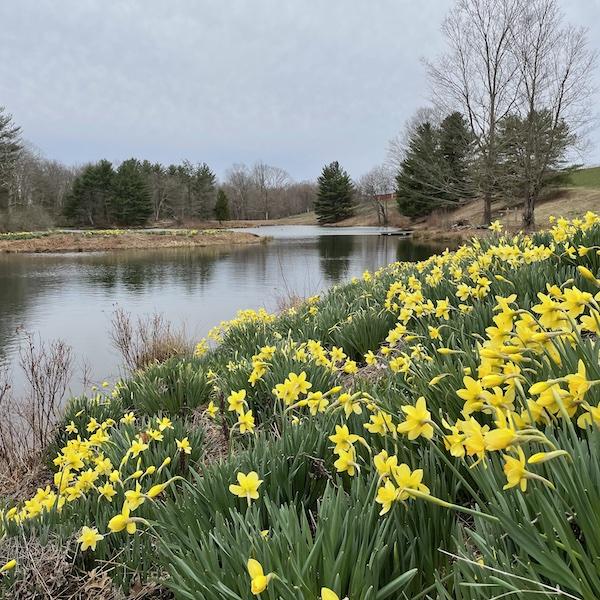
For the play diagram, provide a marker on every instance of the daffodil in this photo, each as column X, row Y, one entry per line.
column 327, row 594
column 89, row 538
column 128, row 418
column 258, row 580
column 107, row 491
column 246, row 422
column 236, row 401
column 247, row 486
column 184, row 445
column 9, row 566
column 164, row 423
column 123, row 521
column 212, row 410
column 418, row 421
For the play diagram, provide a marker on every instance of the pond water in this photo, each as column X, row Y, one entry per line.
column 72, row 296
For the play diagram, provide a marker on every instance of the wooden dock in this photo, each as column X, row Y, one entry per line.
column 398, row 232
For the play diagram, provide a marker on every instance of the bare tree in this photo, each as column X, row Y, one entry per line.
column 479, row 76
column 10, row 150
column 396, row 150
column 267, row 180
column 555, row 68
column 238, row 183
column 377, row 187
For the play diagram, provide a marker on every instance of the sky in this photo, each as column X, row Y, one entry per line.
column 294, row 83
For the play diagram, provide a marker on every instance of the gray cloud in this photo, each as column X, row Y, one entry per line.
column 294, row 83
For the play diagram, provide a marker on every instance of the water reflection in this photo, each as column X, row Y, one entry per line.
column 335, row 254
column 72, row 296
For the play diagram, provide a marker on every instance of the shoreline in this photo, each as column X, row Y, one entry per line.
column 101, row 241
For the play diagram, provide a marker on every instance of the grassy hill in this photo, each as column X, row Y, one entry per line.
column 582, row 194
column 589, row 178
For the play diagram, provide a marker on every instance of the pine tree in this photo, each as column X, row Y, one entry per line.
column 130, row 203
column 221, row 209
column 455, row 149
column 89, row 202
column 203, row 192
column 419, row 184
column 335, row 193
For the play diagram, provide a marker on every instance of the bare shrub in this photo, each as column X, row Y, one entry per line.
column 147, row 340
column 288, row 300
column 29, row 422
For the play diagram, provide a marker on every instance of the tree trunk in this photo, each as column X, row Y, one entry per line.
column 528, row 212
column 487, row 207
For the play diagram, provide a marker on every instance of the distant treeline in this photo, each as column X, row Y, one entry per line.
column 38, row 193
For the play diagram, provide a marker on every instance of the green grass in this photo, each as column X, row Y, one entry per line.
column 589, row 178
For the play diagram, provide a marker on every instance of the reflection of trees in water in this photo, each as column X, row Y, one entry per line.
column 17, row 293
column 138, row 271
column 335, row 252
column 407, row 250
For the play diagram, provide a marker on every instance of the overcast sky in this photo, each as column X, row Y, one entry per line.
column 295, row 83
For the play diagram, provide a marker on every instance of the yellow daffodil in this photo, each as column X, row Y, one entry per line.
column 184, row 445
column 247, row 486
column 258, row 580
column 89, row 538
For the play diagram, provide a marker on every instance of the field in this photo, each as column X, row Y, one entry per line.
column 428, row 431
column 589, row 177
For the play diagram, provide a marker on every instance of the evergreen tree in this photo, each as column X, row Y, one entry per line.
column 455, row 143
column 203, row 189
column 419, row 184
column 90, row 201
column 222, row 207
column 130, row 203
column 335, row 193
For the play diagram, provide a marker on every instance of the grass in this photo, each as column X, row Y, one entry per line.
column 118, row 239
column 468, row 468
column 588, row 178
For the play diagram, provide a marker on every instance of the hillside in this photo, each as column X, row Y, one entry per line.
column 581, row 195
column 589, row 177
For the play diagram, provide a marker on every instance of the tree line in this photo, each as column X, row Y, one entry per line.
column 39, row 193
column 513, row 88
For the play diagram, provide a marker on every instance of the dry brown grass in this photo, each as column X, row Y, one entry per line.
column 73, row 242
column 48, row 571
column 568, row 203
column 147, row 340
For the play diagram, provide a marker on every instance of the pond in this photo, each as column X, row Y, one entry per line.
column 72, row 296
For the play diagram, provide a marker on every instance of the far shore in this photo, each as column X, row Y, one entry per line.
column 100, row 241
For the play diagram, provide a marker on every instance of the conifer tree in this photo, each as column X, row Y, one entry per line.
column 455, row 149
column 419, row 184
column 222, row 207
column 90, row 201
column 203, row 191
column 10, row 149
column 335, row 195
column 130, row 203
